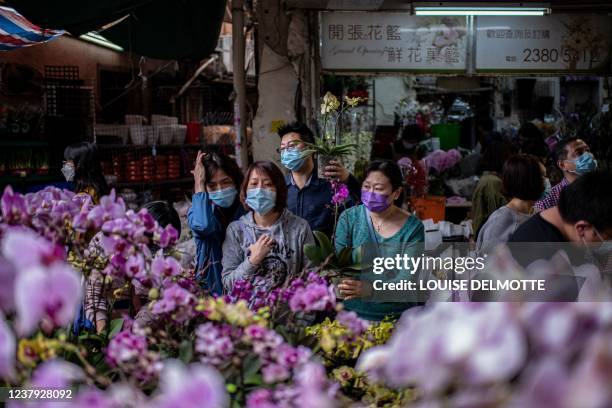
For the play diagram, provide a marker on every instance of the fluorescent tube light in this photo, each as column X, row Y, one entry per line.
column 480, row 11
column 99, row 40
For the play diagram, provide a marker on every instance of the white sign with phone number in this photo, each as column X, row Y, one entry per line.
column 549, row 43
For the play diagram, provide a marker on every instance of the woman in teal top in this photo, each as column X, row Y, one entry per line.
column 379, row 228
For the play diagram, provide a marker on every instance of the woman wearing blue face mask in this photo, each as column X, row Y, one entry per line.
column 265, row 246
column 214, row 205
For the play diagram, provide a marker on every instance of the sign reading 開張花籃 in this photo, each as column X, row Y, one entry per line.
column 358, row 41
column 562, row 43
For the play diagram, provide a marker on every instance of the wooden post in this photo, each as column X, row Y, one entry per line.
column 240, row 111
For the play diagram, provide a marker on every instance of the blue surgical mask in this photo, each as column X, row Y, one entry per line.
column 547, row 188
column 261, row 200
column 224, row 197
column 292, row 159
column 586, row 163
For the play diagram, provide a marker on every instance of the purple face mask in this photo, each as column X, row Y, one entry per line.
column 374, row 202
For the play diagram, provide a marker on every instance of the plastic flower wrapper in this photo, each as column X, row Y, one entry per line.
column 440, row 161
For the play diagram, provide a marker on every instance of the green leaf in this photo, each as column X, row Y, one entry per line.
column 324, row 242
column 186, row 351
column 91, row 337
column 252, row 368
column 345, row 258
column 115, row 327
column 253, row 379
column 314, row 254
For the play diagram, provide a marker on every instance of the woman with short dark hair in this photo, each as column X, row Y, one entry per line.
column 82, row 167
column 214, row 205
column 379, row 228
column 265, row 246
column 523, row 183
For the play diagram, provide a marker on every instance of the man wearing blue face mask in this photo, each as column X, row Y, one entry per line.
column 215, row 204
column 575, row 159
column 309, row 197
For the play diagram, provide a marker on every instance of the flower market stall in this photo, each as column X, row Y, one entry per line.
column 294, row 346
column 450, row 85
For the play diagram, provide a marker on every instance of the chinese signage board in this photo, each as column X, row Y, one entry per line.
column 357, row 41
column 570, row 43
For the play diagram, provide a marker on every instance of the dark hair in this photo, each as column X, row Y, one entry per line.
column 297, row 127
column 522, row 177
column 495, row 155
column 219, row 161
column 87, row 167
column 277, row 177
column 589, row 198
column 164, row 214
column 392, row 172
column 561, row 148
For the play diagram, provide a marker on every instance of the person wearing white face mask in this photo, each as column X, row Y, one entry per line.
column 575, row 159
column 266, row 245
column 82, row 168
column 215, row 203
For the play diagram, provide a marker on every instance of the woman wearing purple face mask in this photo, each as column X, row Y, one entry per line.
column 379, row 228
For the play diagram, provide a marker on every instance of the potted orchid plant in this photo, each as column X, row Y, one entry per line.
column 327, row 147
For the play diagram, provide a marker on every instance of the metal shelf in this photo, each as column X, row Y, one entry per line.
column 150, row 184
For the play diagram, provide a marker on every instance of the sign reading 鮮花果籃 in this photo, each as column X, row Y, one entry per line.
column 571, row 43
column 357, row 41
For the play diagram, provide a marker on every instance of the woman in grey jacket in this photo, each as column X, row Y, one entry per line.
column 523, row 178
column 265, row 246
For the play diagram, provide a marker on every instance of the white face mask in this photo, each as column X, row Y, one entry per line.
column 68, row 172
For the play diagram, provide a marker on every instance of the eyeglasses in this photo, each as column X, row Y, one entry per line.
column 289, row 145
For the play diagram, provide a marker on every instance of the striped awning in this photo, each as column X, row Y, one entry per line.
column 17, row 32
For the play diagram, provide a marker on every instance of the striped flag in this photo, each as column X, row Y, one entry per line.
column 17, row 32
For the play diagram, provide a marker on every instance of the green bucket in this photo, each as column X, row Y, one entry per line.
column 448, row 133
